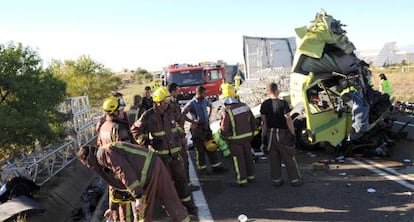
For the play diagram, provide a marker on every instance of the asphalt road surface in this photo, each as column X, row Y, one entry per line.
column 359, row 189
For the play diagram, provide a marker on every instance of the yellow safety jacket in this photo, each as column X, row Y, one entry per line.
column 386, row 87
column 237, row 80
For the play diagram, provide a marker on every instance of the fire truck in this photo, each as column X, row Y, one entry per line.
column 209, row 75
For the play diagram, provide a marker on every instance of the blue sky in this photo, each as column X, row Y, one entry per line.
column 152, row 34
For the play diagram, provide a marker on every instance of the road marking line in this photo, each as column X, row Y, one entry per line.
column 204, row 214
column 381, row 166
column 401, row 123
column 384, row 174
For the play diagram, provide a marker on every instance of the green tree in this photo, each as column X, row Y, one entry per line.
column 148, row 77
column 85, row 77
column 29, row 99
column 139, row 75
column 140, row 71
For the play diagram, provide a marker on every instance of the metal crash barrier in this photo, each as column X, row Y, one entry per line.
column 42, row 164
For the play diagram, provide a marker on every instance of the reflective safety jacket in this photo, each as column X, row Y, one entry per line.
column 163, row 128
column 237, row 122
column 237, row 81
column 114, row 130
column 386, row 87
column 117, row 197
column 123, row 166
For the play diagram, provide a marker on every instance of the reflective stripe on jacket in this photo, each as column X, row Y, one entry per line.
column 130, row 163
column 237, row 122
column 164, row 129
column 114, row 130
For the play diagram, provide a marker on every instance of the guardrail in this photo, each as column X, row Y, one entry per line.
column 44, row 163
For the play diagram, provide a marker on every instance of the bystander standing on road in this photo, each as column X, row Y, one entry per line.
column 200, row 109
column 174, row 91
column 279, row 135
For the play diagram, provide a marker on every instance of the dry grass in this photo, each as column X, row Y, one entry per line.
column 402, row 83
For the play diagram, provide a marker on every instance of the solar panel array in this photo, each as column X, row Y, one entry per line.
column 388, row 55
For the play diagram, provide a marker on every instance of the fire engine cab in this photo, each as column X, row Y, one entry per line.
column 188, row 77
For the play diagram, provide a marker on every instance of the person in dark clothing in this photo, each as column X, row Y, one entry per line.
column 147, row 102
column 174, row 90
column 279, row 135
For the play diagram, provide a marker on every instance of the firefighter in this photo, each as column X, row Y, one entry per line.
column 135, row 110
column 278, row 134
column 121, row 108
column 174, row 90
column 163, row 126
column 237, row 127
column 200, row 109
column 138, row 171
column 237, row 80
column 115, row 128
column 385, row 85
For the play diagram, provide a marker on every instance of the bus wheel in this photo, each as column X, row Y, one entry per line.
column 302, row 142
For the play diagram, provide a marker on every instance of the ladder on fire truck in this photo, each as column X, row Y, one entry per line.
column 42, row 164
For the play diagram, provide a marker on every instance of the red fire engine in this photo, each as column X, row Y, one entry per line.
column 188, row 77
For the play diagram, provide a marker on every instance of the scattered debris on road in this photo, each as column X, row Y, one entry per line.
column 371, row 190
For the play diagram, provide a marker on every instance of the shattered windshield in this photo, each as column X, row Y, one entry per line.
column 187, row 78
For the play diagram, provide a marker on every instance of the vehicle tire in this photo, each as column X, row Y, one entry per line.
column 302, row 142
column 329, row 148
column 18, row 186
column 21, row 189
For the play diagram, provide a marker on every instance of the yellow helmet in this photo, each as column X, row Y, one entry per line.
column 228, row 91
column 110, row 105
column 160, row 95
column 211, row 145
